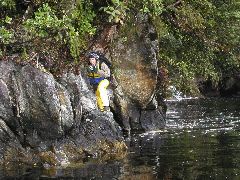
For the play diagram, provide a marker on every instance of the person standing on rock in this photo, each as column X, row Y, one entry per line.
column 98, row 74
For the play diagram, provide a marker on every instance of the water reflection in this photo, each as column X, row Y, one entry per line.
column 201, row 141
column 194, row 155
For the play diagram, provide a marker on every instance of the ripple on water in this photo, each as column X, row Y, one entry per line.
column 203, row 114
column 200, row 141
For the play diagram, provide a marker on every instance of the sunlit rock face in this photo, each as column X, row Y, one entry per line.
column 134, row 55
column 137, row 80
column 51, row 121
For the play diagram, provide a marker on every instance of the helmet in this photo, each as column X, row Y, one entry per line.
column 93, row 55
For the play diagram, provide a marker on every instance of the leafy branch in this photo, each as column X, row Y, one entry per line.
column 116, row 12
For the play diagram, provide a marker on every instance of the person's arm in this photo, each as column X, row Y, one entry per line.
column 104, row 70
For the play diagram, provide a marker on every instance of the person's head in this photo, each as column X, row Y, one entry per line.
column 93, row 59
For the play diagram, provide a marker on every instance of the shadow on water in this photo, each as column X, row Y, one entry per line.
column 201, row 141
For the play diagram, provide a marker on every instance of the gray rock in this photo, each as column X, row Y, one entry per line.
column 6, row 111
column 152, row 120
column 8, row 141
column 55, row 118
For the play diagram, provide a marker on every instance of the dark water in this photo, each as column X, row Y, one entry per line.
column 201, row 141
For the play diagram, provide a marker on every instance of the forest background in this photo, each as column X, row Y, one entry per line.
column 198, row 40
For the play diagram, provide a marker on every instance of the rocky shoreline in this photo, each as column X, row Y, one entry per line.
column 50, row 122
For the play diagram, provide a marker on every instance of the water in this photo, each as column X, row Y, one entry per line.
column 201, row 141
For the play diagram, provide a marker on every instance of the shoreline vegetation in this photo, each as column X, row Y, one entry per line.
column 198, row 41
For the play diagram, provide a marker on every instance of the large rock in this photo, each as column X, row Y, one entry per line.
column 134, row 55
column 39, row 104
column 51, row 122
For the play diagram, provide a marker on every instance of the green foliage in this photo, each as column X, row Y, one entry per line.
column 190, row 18
column 80, row 26
column 152, row 7
column 24, row 54
column 71, row 29
column 199, row 40
column 116, row 11
column 5, row 35
column 8, row 4
column 45, row 22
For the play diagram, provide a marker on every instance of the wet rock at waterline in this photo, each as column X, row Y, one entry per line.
column 51, row 122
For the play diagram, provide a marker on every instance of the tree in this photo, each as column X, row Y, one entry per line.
column 200, row 40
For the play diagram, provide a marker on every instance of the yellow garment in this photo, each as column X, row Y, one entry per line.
column 94, row 75
column 102, row 95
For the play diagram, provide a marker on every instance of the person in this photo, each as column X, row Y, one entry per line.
column 98, row 74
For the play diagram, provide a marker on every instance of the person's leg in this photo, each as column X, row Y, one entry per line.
column 102, row 95
column 99, row 100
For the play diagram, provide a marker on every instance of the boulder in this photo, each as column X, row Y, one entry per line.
column 51, row 121
column 134, row 56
